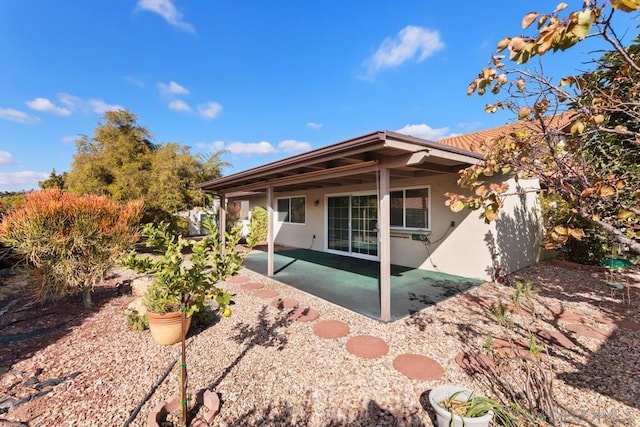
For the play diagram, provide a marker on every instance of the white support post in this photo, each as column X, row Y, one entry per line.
column 222, row 220
column 270, row 232
column 384, row 230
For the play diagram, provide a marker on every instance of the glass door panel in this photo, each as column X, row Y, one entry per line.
column 364, row 225
column 338, row 223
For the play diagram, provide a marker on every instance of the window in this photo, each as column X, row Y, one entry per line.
column 410, row 208
column 291, row 209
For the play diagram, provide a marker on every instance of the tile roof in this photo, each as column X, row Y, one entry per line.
column 473, row 141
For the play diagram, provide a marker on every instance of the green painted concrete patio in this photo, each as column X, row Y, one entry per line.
column 355, row 283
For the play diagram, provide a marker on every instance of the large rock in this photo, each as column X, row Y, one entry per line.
column 137, row 306
column 140, row 284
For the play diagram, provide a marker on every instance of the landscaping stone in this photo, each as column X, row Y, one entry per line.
column 304, row 314
column 238, row 279
column 367, row 346
column 331, row 329
column 588, row 331
column 251, row 286
column 140, row 284
column 418, row 367
column 554, row 338
column 137, row 307
column 284, row 303
column 475, row 363
column 265, row 293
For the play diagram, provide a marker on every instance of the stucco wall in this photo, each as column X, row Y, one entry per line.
column 467, row 249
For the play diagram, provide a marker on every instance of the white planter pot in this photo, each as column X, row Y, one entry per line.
column 443, row 392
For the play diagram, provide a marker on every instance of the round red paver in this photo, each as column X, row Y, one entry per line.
column 475, row 301
column 367, row 346
column 515, row 349
column 552, row 337
column 265, row 293
column 567, row 316
column 475, row 363
column 331, row 329
column 418, row 367
column 588, row 331
column 282, row 303
column 251, row 286
column 238, row 279
column 304, row 314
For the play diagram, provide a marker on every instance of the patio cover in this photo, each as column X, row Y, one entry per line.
column 379, row 156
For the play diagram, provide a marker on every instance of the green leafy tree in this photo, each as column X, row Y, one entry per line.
column 120, row 161
column 579, row 135
column 70, row 242
column 54, row 180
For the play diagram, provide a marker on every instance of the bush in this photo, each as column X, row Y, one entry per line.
column 258, row 231
column 70, row 242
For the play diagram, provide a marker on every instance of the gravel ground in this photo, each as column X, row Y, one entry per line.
column 269, row 370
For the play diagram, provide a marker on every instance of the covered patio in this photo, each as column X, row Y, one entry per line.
column 355, row 283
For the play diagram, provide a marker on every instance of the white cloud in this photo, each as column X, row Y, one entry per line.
column 43, row 104
column 426, row 132
column 411, row 42
column 314, row 125
column 168, row 11
column 262, row 147
column 173, row 88
column 22, row 180
column 5, row 158
column 17, row 116
column 100, row 107
column 71, row 102
column 291, row 146
column 135, row 81
column 209, row 110
column 179, row 105
column 70, row 139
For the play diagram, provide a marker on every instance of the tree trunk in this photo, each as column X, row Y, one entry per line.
column 618, row 236
column 86, row 298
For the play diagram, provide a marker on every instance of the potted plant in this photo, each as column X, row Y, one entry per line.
column 458, row 406
column 181, row 286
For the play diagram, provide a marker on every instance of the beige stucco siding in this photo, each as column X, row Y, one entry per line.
column 468, row 249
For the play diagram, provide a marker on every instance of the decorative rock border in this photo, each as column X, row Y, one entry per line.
column 552, row 337
column 265, row 293
column 588, row 331
column 331, row 329
column 251, row 286
column 418, row 367
column 475, row 363
column 367, row 346
column 204, row 397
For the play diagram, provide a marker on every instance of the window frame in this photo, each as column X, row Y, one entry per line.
column 404, row 208
column 288, row 220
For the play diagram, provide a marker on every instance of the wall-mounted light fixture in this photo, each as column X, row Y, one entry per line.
column 316, row 202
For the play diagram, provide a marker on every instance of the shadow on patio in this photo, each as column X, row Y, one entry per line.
column 354, row 283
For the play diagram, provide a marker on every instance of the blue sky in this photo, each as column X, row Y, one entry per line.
column 261, row 79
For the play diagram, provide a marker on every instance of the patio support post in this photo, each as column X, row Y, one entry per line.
column 270, row 223
column 222, row 220
column 384, row 234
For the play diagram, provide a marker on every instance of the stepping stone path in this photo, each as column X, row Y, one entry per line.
column 282, row 303
column 475, row 363
column 367, row 346
column 238, row 279
column 588, row 331
column 251, row 286
column 418, row 367
column 265, row 293
column 304, row 314
column 627, row 324
column 552, row 337
column 515, row 349
column 331, row 329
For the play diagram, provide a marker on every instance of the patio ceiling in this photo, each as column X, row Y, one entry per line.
column 354, row 161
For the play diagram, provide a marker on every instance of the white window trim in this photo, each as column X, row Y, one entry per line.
column 275, row 212
column 404, row 208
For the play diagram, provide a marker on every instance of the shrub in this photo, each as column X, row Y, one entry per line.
column 258, row 231
column 70, row 242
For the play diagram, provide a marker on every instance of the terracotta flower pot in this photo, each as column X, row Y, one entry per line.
column 166, row 328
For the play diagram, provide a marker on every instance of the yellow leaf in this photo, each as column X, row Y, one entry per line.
column 457, row 206
column 596, row 218
column 598, row 119
column 577, row 128
column 490, row 215
column 528, row 19
column 620, row 184
column 625, row 214
column 626, row 5
column 561, row 6
column 502, row 44
column 577, row 233
column 607, row 190
column 523, row 113
column 560, row 230
column 481, row 190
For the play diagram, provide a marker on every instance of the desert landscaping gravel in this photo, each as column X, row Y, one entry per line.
column 271, row 371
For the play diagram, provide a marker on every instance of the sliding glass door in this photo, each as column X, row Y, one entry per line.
column 352, row 225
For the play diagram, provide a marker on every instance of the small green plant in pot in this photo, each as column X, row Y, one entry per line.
column 181, row 285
